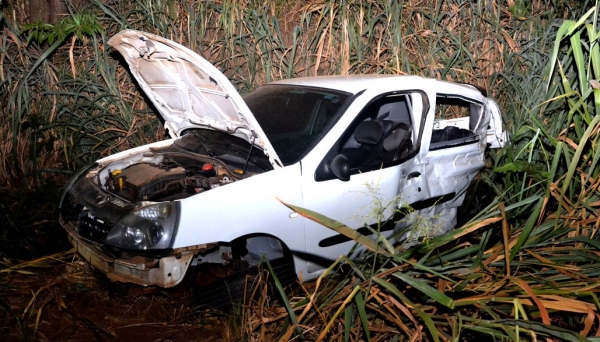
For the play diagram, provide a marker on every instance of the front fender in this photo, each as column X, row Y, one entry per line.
column 245, row 207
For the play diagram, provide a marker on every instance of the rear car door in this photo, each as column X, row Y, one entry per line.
column 454, row 155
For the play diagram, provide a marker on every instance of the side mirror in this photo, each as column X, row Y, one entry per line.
column 340, row 167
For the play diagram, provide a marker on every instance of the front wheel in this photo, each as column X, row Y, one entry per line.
column 242, row 279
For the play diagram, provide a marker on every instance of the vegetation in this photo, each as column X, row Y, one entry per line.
column 526, row 267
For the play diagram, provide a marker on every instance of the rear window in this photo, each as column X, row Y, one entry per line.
column 455, row 121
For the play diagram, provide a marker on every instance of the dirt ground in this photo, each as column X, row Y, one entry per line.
column 48, row 292
column 64, row 299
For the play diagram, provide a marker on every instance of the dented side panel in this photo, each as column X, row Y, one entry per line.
column 447, row 166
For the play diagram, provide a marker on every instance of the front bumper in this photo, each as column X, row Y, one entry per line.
column 165, row 272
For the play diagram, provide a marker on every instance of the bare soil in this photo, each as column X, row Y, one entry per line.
column 64, row 299
column 48, row 292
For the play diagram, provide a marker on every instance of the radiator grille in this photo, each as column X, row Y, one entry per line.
column 93, row 228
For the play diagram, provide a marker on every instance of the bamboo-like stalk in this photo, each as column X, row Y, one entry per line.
column 59, row 112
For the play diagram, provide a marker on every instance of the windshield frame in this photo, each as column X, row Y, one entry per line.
column 292, row 146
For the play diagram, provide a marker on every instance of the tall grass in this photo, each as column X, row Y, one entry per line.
column 77, row 99
column 526, row 263
column 532, row 272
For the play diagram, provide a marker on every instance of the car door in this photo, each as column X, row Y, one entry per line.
column 381, row 150
column 454, row 155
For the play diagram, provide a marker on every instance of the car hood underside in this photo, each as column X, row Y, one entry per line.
column 187, row 90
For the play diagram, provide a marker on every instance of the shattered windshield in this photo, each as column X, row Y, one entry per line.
column 294, row 118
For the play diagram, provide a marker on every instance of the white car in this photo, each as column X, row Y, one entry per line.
column 353, row 148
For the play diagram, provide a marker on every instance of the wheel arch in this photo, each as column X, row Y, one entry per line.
column 256, row 246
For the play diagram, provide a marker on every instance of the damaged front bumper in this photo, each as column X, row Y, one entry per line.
column 165, row 272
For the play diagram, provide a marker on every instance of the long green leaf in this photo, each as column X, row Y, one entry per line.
column 286, row 302
column 529, row 225
column 362, row 312
column 337, row 226
column 548, row 330
column 422, row 286
column 574, row 164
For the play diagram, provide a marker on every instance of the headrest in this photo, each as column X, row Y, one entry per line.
column 369, row 132
column 397, row 137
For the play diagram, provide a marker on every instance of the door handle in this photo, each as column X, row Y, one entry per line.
column 414, row 174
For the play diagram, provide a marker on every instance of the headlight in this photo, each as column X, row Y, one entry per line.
column 150, row 227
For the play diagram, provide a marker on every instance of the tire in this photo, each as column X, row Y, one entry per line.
column 237, row 288
column 479, row 195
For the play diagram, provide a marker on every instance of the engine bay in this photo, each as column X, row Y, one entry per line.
column 169, row 177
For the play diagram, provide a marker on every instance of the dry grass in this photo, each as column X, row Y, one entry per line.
column 550, row 289
column 25, row 170
column 535, row 269
column 253, row 44
column 59, row 297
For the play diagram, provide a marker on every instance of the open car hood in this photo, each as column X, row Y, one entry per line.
column 187, row 90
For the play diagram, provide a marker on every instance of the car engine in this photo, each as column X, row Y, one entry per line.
column 175, row 177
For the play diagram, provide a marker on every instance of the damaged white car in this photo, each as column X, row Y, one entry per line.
column 209, row 195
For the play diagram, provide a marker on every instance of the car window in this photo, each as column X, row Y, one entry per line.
column 381, row 136
column 295, row 117
column 455, row 121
